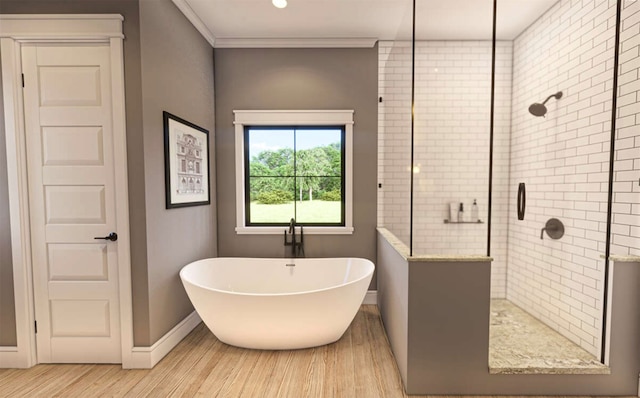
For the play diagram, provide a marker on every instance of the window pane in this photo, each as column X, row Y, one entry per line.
column 271, row 200
column 319, row 200
column 319, row 152
column 308, row 189
column 270, row 152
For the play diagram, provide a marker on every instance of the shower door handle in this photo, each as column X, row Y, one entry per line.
column 522, row 200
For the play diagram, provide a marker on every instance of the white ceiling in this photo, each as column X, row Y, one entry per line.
column 231, row 23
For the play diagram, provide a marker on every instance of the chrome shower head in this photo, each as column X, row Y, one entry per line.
column 538, row 109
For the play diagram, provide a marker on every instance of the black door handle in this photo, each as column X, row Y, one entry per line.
column 112, row 237
column 522, row 200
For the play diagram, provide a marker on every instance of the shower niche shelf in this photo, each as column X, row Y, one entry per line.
column 446, row 221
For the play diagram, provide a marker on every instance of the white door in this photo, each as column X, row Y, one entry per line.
column 69, row 137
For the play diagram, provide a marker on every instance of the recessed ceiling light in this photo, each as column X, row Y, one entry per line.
column 279, row 3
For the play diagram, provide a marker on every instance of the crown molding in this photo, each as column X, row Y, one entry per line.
column 295, row 43
column 195, row 21
column 231, row 42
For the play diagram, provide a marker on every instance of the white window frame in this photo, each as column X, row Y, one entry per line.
column 244, row 118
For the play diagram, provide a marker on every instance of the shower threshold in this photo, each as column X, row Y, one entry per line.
column 521, row 344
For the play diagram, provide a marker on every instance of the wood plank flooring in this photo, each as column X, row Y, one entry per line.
column 358, row 365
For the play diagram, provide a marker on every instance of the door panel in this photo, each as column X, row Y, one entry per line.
column 70, row 205
column 80, row 318
column 68, row 120
column 78, row 262
column 55, row 92
column 72, row 146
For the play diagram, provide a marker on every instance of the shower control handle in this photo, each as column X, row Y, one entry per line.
column 554, row 228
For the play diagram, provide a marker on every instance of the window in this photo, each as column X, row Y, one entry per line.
column 294, row 164
column 294, row 172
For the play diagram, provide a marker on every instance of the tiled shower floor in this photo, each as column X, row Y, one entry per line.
column 519, row 343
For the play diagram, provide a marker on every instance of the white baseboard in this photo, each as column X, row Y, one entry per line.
column 10, row 357
column 371, row 297
column 148, row 357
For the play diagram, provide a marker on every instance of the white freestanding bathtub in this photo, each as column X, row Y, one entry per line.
column 276, row 303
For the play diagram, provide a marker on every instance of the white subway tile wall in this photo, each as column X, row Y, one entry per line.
column 563, row 158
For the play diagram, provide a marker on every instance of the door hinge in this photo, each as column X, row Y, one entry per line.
column 23, row 80
column 35, row 326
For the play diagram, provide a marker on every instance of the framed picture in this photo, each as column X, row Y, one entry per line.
column 186, row 163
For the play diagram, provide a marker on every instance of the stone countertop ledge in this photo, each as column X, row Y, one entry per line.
column 622, row 258
column 403, row 250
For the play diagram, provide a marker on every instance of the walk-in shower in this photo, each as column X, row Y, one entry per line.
column 457, row 102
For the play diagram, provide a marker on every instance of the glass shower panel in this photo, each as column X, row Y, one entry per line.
column 501, row 159
column 394, row 130
column 452, row 116
column 560, row 129
column 625, row 232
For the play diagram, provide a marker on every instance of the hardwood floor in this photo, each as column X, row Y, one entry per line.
column 359, row 365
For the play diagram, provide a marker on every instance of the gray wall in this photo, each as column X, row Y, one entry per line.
column 180, row 88
column 393, row 301
column 177, row 77
column 299, row 79
column 7, row 304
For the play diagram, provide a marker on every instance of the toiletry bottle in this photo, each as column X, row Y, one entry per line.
column 461, row 212
column 474, row 212
column 453, row 211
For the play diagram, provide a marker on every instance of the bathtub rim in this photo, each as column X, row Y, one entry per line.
column 333, row 287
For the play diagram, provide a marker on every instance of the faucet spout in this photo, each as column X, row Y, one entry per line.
column 296, row 244
column 292, row 231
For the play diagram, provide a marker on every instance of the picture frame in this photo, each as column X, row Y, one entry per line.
column 186, row 167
